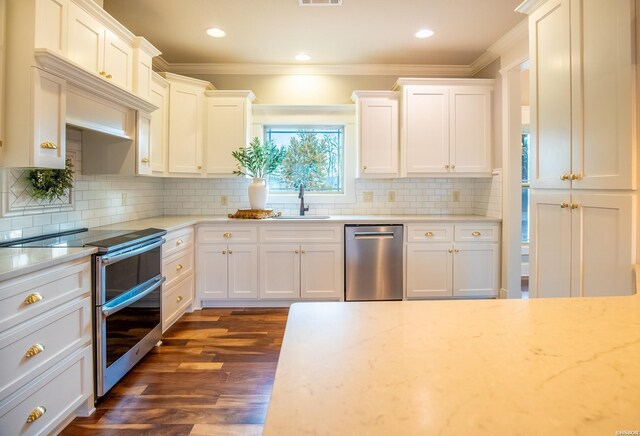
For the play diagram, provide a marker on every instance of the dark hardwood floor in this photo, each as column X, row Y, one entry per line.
column 212, row 376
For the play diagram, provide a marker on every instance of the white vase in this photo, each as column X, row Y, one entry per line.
column 258, row 194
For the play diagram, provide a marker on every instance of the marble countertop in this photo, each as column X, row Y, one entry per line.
column 15, row 262
column 489, row 367
column 170, row 222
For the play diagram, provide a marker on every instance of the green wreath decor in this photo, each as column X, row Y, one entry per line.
column 48, row 184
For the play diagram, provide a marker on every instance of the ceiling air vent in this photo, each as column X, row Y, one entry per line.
column 320, row 2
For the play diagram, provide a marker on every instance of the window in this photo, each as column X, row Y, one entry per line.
column 525, row 187
column 314, row 157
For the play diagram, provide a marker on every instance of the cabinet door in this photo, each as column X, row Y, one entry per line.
column 550, row 244
column 159, row 124
column 211, row 271
column 227, row 130
column 51, row 25
column 603, row 78
column 49, row 117
column 378, row 130
column 321, row 273
column 475, row 270
column 143, row 142
column 118, row 61
column 470, row 130
column 243, row 271
column 550, row 75
column 186, row 109
column 280, row 271
column 602, row 245
column 429, row 270
column 86, row 40
column 426, row 129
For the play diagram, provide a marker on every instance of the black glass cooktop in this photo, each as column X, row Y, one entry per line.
column 105, row 240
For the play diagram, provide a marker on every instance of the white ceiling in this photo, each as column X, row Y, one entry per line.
column 358, row 32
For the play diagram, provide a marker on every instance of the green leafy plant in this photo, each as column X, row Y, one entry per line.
column 48, row 184
column 258, row 160
column 306, row 161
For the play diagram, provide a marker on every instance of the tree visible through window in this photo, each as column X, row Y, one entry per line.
column 314, row 156
column 525, row 187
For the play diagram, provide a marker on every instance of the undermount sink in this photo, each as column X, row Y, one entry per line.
column 305, row 217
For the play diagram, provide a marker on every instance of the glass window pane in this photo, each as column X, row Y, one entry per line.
column 314, row 157
column 525, row 214
column 525, row 157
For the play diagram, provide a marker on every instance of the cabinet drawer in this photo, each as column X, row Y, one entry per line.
column 227, row 234
column 175, row 301
column 30, row 295
column 301, row 234
column 177, row 241
column 429, row 233
column 58, row 393
column 477, row 233
column 46, row 341
column 177, row 266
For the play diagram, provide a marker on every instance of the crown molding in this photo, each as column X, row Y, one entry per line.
column 518, row 34
column 160, row 65
column 348, row 70
column 528, row 6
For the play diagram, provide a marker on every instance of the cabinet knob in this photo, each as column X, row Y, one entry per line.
column 33, row 350
column 179, row 267
column 224, row 251
column 364, row 168
column 476, row 233
column 179, row 299
column 109, row 76
column 230, row 252
column 574, row 206
column 428, row 234
column 179, row 242
column 564, row 205
column 102, row 73
column 447, row 166
column 565, row 177
column 575, row 176
column 199, row 167
column 48, row 145
column 450, row 250
column 302, row 251
column 144, row 160
column 456, row 250
column 227, row 235
column 296, row 252
column 33, row 298
column 453, row 167
column 36, row 414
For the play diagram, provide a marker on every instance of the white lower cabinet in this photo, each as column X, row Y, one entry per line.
column 581, row 244
column 227, row 271
column 293, row 271
column 178, row 269
column 451, row 266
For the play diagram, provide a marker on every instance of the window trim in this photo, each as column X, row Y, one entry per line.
column 313, row 116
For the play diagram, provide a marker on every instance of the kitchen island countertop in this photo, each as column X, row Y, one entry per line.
column 490, row 367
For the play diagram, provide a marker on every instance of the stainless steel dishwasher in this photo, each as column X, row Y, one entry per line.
column 373, row 262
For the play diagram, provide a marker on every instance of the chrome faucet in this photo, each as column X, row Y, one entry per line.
column 301, row 197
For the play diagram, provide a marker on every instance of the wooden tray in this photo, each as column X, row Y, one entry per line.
column 253, row 214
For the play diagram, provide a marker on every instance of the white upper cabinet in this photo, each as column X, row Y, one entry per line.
column 51, row 28
column 143, row 56
column 446, row 126
column 98, row 49
column 228, row 129
column 159, row 138
column 378, row 123
column 582, row 94
column 186, row 123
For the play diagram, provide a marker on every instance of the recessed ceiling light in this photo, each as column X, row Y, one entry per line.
column 303, row 57
column 424, row 33
column 216, row 33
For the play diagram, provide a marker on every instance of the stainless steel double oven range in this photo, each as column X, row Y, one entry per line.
column 127, row 293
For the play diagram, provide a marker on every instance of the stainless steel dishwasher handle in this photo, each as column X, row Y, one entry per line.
column 373, row 235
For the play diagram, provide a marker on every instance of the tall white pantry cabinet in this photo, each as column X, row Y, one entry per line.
column 583, row 147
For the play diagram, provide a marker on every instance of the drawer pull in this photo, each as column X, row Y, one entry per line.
column 36, row 413
column 179, row 267
column 227, row 235
column 179, row 299
column 476, row 233
column 179, row 242
column 428, row 234
column 33, row 350
column 48, row 145
column 33, row 298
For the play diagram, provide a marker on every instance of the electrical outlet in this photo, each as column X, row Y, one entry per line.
column 391, row 196
column 123, row 201
column 456, row 196
column 367, row 197
column 224, row 200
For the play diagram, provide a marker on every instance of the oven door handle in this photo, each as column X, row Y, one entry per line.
column 110, row 309
column 116, row 257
